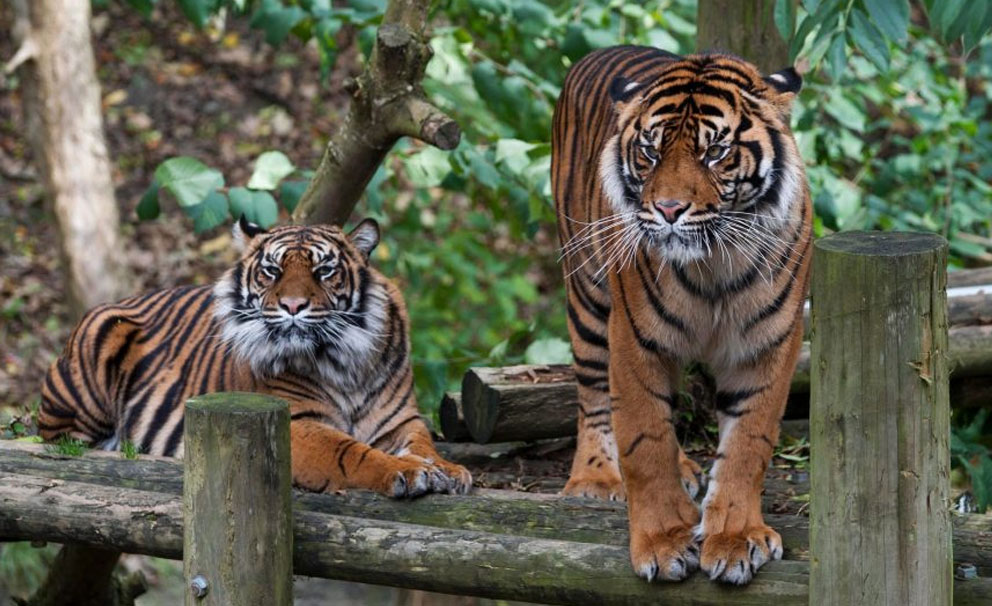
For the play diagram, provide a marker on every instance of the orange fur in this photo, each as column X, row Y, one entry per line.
column 686, row 224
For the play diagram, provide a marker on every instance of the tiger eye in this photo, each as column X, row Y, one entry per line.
column 713, row 152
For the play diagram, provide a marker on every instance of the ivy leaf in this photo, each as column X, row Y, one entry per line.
column 891, row 16
column 270, row 168
column 197, row 11
column 188, row 179
column 259, row 207
column 210, row 213
column 276, row 20
column 869, row 40
column 549, row 351
column 290, row 193
column 148, row 208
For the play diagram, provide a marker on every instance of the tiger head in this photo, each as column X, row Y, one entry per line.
column 303, row 299
column 703, row 155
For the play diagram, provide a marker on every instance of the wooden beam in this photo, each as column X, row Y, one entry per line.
column 500, row 511
column 469, row 562
column 880, row 526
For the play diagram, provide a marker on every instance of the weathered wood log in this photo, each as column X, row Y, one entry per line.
column 963, row 310
column 499, row 511
column 452, row 418
column 519, row 402
column 534, row 402
column 880, row 527
column 471, row 562
column 969, row 277
column 238, row 546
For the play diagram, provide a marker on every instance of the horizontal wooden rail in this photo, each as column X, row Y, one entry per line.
column 432, row 558
column 104, row 500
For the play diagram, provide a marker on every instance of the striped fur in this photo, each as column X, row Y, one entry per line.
column 685, row 219
column 302, row 316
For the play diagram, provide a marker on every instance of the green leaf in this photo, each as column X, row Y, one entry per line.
column 290, row 193
column 148, row 206
column 270, row 168
column 197, row 11
column 869, row 40
column 891, row 16
column 785, row 17
column 210, row 213
column 978, row 23
column 548, row 351
column 143, row 6
column 836, row 57
column 259, row 207
column 945, row 13
column 188, row 179
column 276, row 20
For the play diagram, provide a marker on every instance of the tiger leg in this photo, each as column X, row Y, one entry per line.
column 416, row 444
column 327, row 459
column 736, row 542
column 595, row 467
column 662, row 515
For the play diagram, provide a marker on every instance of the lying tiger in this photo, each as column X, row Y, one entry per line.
column 302, row 316
column 685, row 218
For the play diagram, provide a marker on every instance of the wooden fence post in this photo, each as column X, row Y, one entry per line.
column 880, row 527
column 238, row 543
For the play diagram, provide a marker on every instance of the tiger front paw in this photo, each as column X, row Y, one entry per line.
column 735, row 557
column 669, row 556
column 604, row 483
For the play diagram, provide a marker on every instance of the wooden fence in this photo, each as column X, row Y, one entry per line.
column 880, row 530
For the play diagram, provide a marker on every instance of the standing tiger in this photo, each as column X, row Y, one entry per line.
column 302, row 316
column 684, row 216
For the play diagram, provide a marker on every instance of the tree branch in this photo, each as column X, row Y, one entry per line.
column 387, row 103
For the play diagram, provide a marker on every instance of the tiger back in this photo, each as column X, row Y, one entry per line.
column 685, row 222
column 302, row 316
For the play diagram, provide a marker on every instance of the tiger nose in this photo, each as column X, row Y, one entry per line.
column 671, row 209
column 293, row 304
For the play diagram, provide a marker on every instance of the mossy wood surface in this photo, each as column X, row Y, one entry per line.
column 236, row 500
column 880, row 422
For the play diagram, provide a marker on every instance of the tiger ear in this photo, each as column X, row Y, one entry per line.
column 623, row 90
column 244, row 231
column 365, row 236
column 785, row 84
column 786, row 80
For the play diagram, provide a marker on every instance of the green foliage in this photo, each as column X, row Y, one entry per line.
column 829, row 27
column 907, row 148
column 199, row 191
column 969, row 451
column 23, row 567
column 129, row 450
column 66, row 446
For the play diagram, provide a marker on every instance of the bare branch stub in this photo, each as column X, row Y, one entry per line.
column 388, row 102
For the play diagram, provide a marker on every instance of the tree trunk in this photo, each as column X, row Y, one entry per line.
column 387, row 103
column 65, row 128
column 745, row 28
